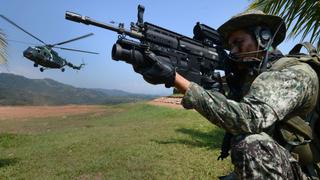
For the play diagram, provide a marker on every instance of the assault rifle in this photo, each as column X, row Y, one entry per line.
column 194, row 58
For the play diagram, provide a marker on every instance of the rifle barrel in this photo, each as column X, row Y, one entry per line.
column 88, row 21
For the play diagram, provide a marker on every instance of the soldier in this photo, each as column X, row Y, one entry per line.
column 266, row 89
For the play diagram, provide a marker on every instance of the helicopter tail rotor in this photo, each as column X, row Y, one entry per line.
column 83, row 63
column 81, row 66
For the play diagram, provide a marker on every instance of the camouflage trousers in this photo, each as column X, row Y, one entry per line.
column 258, row 156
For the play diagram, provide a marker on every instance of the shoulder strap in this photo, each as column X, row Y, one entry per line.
column 296, row 49
column 313, row 58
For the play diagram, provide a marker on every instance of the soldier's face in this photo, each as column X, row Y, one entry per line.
column 241, row 43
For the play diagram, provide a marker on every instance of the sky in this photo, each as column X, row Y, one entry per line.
column 45, row 19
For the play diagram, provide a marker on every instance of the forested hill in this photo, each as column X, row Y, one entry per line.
column 19, row 90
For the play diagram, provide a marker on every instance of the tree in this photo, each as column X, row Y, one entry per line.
column 3, row 48
column 301, row 16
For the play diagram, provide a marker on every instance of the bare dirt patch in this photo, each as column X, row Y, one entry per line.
column 39, row 119
column 170, row 101
column 22, row 112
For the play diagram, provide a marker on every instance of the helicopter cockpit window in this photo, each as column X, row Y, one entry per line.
column 37, row 49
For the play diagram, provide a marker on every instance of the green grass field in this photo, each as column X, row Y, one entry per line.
column 129, row 141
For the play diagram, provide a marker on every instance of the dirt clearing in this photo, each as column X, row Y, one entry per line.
column 170, row 101
column 17, row 112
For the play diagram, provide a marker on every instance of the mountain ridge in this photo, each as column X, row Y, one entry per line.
column 19, row 90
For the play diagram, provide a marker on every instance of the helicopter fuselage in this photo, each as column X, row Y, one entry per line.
column 44, row 56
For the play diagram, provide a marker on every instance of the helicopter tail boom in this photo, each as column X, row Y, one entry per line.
column 74, row 66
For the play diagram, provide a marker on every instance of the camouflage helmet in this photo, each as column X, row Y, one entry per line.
column 254, row 18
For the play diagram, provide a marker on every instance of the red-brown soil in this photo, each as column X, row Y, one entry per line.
column 171, row 101
column 17, row 112
column 23, row 112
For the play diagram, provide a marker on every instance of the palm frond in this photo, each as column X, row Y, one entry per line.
column 3, row 48
column 301, row 16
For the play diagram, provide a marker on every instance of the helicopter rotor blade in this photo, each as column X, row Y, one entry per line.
column 77, row 50
column 14, row 24
column 21, row 42
column 74, row 39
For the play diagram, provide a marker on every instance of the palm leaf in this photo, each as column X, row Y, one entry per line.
column 301, row 16
column 3, row 48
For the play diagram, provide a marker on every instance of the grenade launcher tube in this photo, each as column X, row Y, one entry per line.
column 131, row 56
column 130, row 52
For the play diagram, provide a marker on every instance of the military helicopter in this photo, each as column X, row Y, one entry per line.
column 45, row 56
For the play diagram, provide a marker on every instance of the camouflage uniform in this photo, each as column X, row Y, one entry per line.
column 273, row 96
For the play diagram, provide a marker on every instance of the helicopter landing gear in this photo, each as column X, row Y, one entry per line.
column 41, row 69
column 62, row 70
column 35, row 65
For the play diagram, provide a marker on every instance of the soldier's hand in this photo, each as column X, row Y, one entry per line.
column 213, row 83
column 223, row 155
column 218, row 85
column 159, row 70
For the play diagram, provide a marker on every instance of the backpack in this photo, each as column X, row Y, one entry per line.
column 301, row 137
